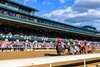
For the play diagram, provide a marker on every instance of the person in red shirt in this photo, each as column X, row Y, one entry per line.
column 57, row 44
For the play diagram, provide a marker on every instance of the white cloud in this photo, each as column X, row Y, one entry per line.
column 97, row 25
column 82, row 11
column 30, row 0
column 77, row 24
column 84, row 5
column 59, row 12
column 26, row 1
column 62, row 1
column 46, row 3
column 91, row 4
column 89, row 16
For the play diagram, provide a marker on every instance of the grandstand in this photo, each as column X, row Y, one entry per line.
column 21, row 29
column 20, row 19
column 19, row 23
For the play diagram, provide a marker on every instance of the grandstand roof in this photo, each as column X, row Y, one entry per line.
column 63, row 23
column 41, row 17
column 73, row 30
column 87, row 26
column 29, row 8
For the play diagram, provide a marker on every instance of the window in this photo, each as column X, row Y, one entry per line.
column 39, row 20
column 12, row 5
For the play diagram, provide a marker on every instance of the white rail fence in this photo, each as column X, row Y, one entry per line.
column 46, row 60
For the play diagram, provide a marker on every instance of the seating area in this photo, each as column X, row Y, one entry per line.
column 18, row 38
column 15, row 42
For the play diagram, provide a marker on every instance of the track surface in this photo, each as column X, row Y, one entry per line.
column 46, row 53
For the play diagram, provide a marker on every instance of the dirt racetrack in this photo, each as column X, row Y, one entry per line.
column 46, row 53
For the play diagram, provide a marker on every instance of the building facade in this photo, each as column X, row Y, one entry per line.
column 20, row 19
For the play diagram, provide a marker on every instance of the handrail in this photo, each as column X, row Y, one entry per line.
column 46, row 60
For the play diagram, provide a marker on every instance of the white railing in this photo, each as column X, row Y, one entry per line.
column 46, row 60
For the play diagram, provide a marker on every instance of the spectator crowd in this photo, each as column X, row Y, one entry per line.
column 18, row 45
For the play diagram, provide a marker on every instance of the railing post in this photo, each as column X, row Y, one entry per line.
column 84, row 62
column 50, row 65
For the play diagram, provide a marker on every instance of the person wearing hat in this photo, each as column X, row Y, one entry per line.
column 58, row 42
column 59, row 46
column 71, row 42
column 72, row 46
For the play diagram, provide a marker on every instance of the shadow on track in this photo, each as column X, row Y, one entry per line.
column 50, row 55
column 54, row 55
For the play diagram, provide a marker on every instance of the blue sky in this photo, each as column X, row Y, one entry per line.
column 46, row 6
column 74, row 12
